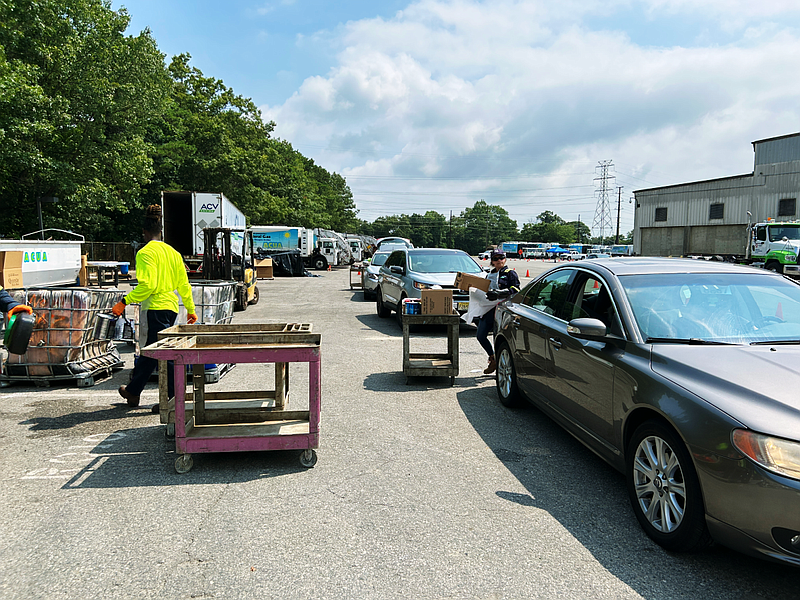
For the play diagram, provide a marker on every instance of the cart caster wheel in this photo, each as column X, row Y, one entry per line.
column 169, row 431
column 183, row 464
column 308, row 458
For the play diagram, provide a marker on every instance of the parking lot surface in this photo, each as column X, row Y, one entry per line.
column 421, row 490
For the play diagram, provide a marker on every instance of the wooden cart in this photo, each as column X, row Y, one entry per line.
column 167, row 406
column 244, row 420
column 431, row 365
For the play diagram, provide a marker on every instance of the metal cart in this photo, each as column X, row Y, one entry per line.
column 357, row 284
column 431, row 365
column 242, row 420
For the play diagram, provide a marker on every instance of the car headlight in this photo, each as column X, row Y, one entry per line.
column 791, row 258
column 373, row 276
column 774, row 454
column 421, row 286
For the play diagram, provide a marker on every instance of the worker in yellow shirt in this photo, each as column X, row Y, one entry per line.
column 160, row 273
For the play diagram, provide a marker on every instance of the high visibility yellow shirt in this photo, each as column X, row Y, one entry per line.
column 160, row 272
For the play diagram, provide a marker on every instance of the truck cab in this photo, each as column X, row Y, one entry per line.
column 777, row 244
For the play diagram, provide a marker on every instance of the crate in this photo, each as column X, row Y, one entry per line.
column 62, row 345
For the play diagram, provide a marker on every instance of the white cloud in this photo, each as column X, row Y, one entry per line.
column 518, row 101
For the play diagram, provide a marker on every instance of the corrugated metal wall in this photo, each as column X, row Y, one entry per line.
column 784, row 149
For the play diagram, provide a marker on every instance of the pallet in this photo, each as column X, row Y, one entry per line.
column 81, row 380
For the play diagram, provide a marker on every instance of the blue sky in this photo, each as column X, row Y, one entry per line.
column 432, row 105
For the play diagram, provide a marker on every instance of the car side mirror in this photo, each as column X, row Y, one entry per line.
column 587, row 329
column 487, row 269
column 396, row 269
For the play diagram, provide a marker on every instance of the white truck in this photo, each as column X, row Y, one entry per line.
column 317, row 251
column 356, row 248
column 186, row 214
column 47, row 262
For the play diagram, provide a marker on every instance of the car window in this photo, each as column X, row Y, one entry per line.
column 379, row 259
column 448, row 262
column 549, row 294
column 592, row 299
column 396, row 258
column 725, row 307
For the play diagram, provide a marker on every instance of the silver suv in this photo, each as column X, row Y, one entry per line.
column 408, row 271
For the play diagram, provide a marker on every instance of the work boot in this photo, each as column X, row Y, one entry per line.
column 492, row 366
column 132, row 400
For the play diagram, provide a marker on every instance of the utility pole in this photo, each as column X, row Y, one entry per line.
column 619, row 207
column 450, row 245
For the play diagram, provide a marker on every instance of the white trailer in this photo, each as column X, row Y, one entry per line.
column 47, row 262
column 186, row 214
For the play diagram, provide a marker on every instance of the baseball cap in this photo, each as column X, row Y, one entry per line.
column 498, row 255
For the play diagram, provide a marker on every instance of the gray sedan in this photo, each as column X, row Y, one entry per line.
column 681, row 374
column 369, row 275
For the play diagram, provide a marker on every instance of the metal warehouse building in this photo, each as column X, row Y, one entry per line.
column 710, row 217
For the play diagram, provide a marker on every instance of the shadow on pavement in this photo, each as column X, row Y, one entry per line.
column 589, row 499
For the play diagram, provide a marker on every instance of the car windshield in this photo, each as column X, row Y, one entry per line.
column 442, row 262
column 736, row 308
column 379, row 258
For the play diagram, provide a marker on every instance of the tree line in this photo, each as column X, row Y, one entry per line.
column 95, row 118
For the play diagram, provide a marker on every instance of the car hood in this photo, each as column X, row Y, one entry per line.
column 756, row 385
column 443, row 279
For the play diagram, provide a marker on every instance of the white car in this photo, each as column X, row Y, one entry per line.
column 485, row 255
column 369, row 275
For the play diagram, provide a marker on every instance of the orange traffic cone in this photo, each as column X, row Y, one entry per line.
column 527, row 273
column 329, row 267
column 596, row 284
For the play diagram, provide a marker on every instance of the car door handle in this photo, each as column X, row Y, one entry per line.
column 556, row 343
column 516, row 323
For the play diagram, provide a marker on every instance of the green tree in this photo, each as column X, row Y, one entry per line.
column 481, row 226
column 582, row 232
column 76, row 95
column 548, row 227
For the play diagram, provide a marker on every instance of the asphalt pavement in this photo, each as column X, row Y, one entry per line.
column 421, row 490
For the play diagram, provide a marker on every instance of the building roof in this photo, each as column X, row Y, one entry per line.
column 772, row 139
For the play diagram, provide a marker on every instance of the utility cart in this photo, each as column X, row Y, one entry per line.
column 248, row 420
column 426, row 364
column 358, row 283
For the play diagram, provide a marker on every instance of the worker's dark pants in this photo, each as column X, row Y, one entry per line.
column 157, row 320
column 485, row 327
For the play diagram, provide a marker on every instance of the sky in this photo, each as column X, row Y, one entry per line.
column 434, row 105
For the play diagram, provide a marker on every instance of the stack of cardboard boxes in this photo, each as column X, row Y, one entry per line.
column 11, row 270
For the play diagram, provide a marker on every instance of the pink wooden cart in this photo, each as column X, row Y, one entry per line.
column 246, row 420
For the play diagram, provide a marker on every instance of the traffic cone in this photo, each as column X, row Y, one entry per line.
column 596, row 284
column 527, row 273
column 329, row 267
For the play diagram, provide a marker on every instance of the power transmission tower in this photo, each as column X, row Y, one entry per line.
column 603, row 220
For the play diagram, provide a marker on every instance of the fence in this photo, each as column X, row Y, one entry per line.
column 118, row 251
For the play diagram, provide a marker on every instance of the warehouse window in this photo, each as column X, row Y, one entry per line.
column 661, row 214
column 787, row 207
column 716, row 211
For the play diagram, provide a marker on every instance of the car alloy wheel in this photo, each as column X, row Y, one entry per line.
column 664, row 489
column 506, row 379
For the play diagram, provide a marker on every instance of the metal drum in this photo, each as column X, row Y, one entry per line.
column 105, row 326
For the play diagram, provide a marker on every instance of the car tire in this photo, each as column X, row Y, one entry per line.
column 382, row 309
column 664, row 489
column 506, row 377
column 320, row 263
column 399, row 311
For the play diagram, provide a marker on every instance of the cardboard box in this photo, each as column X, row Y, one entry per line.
column 11, row 270
column 464, row 281
column 83, row 276
column 264, row 268
column 437, row 302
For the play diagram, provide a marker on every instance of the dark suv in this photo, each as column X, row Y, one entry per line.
column 408, row 271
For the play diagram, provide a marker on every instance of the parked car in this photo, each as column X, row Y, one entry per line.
column 369, row 275
column 683, row 375
column 485, row 255
column 408, row 271
column 598, row 255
